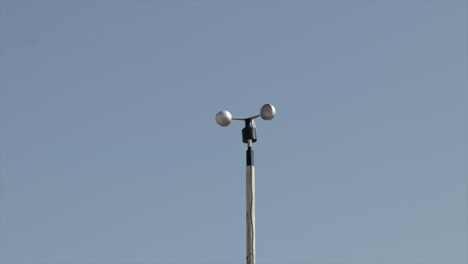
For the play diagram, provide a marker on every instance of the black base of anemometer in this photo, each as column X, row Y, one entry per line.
column 249, row 134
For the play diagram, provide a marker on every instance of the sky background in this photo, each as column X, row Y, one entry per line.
column 110, row 152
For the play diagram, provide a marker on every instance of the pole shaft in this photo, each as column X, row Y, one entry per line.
column 250, row 206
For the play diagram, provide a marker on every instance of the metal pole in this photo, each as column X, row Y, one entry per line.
column 250, row 205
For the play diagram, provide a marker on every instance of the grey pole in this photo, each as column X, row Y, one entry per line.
column 250, row 205
column 249, row 136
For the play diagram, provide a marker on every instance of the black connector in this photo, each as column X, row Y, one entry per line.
column 249, row 132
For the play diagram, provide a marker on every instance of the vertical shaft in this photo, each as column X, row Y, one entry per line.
column 250, row 205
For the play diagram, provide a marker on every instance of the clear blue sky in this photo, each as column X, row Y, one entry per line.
column 110, row 152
